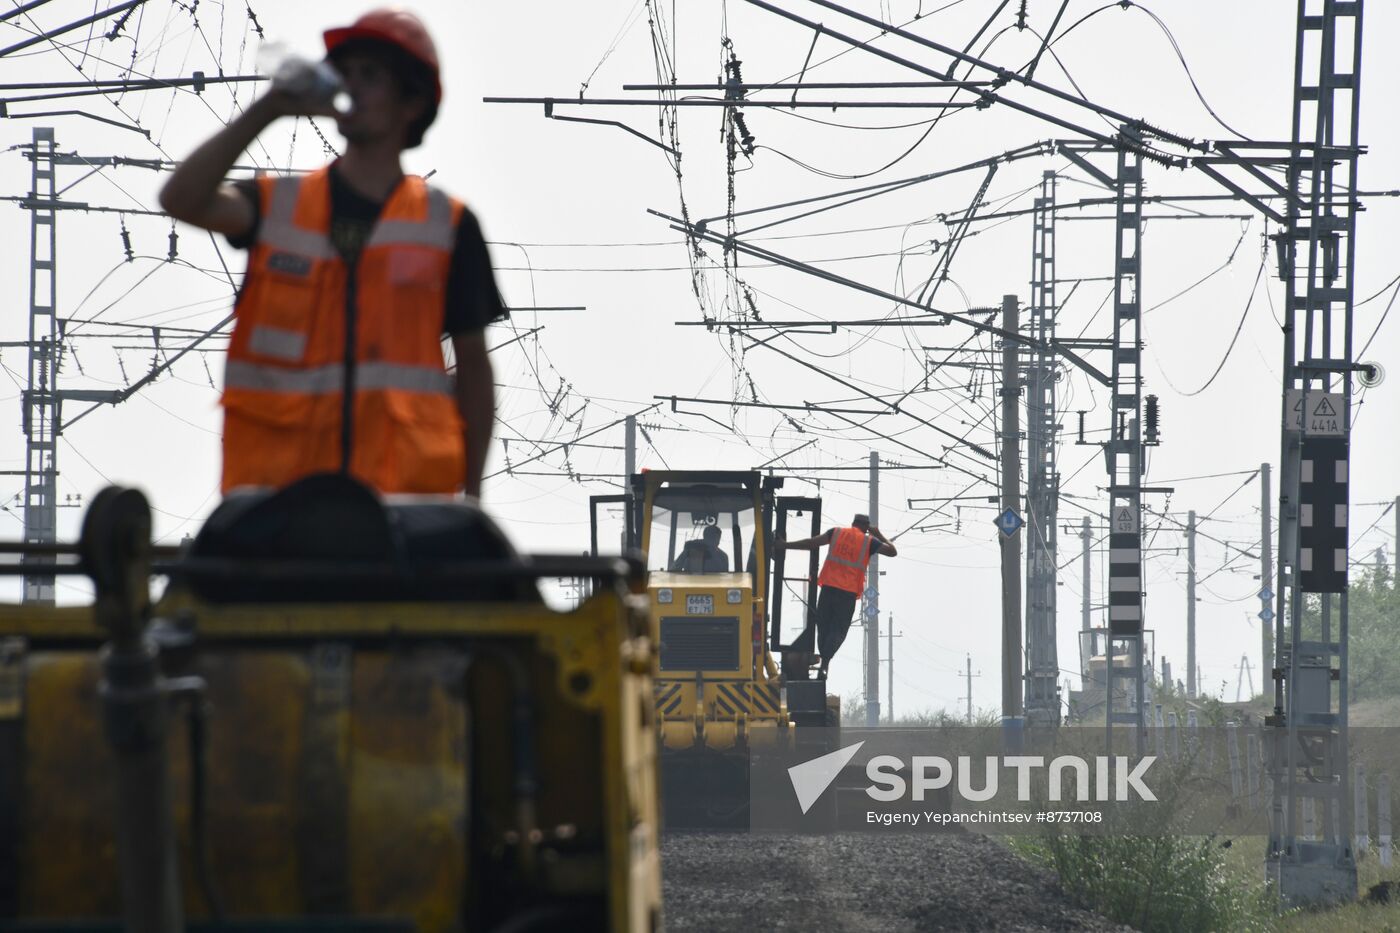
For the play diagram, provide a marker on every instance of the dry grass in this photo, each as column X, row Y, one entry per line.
column 1353, row 918
column 1384, row 712
column 1247, row 855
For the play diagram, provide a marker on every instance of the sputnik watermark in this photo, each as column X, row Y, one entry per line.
column 811, row 778
column 1113, row 779
column 931, row 772
column 944, row 818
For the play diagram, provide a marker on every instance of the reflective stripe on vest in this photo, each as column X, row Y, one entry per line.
column 323, row 380
column 277, row 342
column 277, row 230
column 437, row 231
column 842, row 572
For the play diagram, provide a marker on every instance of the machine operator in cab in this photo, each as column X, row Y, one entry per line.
column 840, row 583
column 356, row 272
column 703, row 555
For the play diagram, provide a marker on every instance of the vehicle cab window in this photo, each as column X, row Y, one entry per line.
column 701, row 530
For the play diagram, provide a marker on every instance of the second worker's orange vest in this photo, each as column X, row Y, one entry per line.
column 338, row 368
column 846, row 560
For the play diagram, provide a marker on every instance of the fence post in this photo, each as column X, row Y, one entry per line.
column 1232, row 741
column 1251, row 769
column 1383, row 817
column 1363, row 821
column 1266, row 779
column 1193, row 741
column 1174, row 736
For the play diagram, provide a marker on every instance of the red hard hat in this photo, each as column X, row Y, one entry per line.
column 398, row 27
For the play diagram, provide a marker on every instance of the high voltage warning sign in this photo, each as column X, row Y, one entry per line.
column 1325, row 415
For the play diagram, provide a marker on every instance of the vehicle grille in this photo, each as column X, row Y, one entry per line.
column 700, row 644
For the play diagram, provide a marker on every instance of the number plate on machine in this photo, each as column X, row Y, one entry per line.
column 700, row 605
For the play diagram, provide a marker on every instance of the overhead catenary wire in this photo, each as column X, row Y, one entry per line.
column 1244, row 315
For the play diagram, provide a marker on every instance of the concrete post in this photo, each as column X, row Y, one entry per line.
column 1383, row 818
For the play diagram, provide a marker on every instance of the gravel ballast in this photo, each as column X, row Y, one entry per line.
column 859, row 882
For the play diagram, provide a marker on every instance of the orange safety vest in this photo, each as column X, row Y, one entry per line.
column 846, row 560
column 333, row 367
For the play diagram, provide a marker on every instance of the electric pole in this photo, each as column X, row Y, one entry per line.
column 629, row 456
column 1086, row 639
column 1191, row 683
column 1123, row 452
column 1316, row 255
column 1011, row 685
column 970, row 675
column 40, row 406
column 629, row 467
column 41, row 401
column 889, row 661
column 1245, row 670
column 872, row 605
column 1266, row 571
column 1042, row 473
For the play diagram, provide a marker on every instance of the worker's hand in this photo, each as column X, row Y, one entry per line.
column 282, row 103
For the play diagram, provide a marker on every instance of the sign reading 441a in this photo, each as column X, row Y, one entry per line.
column 1325, row 414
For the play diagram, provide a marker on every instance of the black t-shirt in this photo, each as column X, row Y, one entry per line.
column 472, row 299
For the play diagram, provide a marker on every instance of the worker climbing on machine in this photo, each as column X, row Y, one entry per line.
column 840, row 583
column 356, row 271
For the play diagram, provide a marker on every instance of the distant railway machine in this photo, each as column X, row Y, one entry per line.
column 341, row 715
column 706, row 538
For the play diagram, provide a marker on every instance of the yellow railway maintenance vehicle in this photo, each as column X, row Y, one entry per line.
column 342, row 715
column 725, row 685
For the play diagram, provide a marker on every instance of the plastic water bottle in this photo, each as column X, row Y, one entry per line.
column 311, row 81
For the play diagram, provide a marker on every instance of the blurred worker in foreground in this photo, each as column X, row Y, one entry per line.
column 840, row 583
column 355, row 274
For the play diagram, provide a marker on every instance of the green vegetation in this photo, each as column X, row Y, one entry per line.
column 1245, row 858
column 1374, row 648
column 1142, row 869
column 1153, row 879
column 1153, row 883
column 853, row 714
column 1211, row 711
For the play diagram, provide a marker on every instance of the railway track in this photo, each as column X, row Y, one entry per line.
column 721, row 881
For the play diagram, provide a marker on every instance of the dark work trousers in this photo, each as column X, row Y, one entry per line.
column 835, row 609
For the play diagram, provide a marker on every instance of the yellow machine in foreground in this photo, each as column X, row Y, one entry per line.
column 706, row 537
column 351, row 736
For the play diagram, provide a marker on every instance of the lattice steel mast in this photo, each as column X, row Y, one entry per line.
column 1123, row 456
column 1309, row 742
column 39, row 404
column 1042, row 474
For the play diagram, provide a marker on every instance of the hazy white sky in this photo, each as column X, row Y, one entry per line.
column 565, row 207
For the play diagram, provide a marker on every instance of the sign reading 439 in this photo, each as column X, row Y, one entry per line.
column 1125, row 520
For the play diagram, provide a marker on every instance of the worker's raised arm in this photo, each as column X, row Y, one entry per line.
column 805, row 544
column 886, row 547
column 196, row 192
